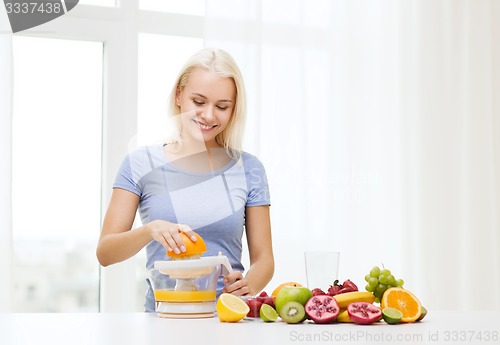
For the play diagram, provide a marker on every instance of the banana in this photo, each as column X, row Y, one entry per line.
column 343, row 316
column 344, row 299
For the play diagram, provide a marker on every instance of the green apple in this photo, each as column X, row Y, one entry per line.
column 299, row 294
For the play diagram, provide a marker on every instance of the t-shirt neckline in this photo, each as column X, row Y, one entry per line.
column 172, row 166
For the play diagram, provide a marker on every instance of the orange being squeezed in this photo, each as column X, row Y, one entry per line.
column 163, row 295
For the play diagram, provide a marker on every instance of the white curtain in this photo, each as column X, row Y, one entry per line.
column 379, row 126
column 5, row 161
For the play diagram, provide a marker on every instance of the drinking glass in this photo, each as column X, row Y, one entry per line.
column 321, row 268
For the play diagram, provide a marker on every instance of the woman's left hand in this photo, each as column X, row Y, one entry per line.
column 236, row 284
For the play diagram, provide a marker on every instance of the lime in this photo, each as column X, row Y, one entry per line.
column 267, row 313
column 392, row 315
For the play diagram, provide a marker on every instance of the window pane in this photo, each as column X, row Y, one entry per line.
column 107, row 3
column 234, row 9
column 192, row 7
column 282, row 11
column 56, row 174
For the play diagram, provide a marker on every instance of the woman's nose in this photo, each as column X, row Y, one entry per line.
column 208, row 113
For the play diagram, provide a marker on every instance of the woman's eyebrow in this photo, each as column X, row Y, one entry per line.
column 204, row 97
column 199, row 95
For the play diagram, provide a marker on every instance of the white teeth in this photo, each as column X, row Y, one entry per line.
column 202, row 126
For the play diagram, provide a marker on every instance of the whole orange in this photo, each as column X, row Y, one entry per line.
column 281, row 286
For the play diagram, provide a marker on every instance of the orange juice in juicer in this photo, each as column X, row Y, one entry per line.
column 185, row 287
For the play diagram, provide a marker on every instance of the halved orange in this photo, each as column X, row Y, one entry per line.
column 192, row 248
column 281, row 286
column 404, row 301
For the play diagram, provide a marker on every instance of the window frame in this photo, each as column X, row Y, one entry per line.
column 118, row 28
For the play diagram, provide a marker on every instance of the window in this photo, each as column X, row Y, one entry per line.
column 107, row 3
column 191, row 7
column 82, row 95
column 56, row 174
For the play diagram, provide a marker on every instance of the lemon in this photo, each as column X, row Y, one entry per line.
column 231, row 308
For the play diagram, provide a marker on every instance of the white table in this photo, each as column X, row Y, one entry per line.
column 141, row 328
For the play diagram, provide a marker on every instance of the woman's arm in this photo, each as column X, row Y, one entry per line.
column 118, row 242
column 260, row 247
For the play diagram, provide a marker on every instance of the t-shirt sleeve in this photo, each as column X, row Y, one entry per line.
column 258, row 187
column 125, row 177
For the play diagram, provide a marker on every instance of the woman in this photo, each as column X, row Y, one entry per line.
column 199, row 180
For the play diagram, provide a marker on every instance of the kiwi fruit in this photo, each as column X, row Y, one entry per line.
column 293, row 312
column 424, row 312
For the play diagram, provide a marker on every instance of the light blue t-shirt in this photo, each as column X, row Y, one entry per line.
column 212, row 204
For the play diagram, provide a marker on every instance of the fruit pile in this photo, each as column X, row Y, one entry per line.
column 255, row 304
column 336, row 288
column 294, row 303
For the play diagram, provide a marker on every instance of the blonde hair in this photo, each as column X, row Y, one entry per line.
column 221, row 63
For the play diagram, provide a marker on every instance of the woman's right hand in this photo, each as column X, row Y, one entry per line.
column 168, row 234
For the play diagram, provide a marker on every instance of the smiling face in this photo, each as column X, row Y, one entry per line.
column 206, row 104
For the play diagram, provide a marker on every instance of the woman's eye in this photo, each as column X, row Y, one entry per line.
column 222, row 107
column 197, row 102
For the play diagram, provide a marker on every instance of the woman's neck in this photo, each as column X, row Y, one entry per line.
column 189, row 146
column 197, row 157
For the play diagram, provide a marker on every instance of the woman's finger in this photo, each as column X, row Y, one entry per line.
column 188, row 231
column 179, row 243
column 239, row 288
column 232, row 277
column 163, row 242
column 171, row 244
column 234, row 281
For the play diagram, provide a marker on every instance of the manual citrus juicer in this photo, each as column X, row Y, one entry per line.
column 185, row 287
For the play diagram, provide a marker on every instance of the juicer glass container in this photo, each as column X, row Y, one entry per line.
column 187, row 288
